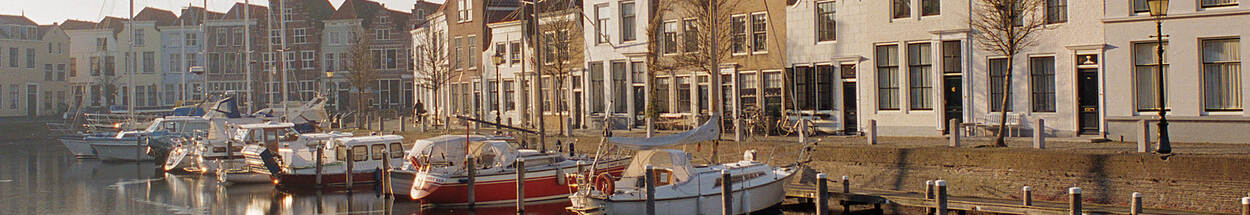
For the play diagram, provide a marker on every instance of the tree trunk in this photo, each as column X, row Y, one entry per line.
column 1000, row 139
column 559, row 108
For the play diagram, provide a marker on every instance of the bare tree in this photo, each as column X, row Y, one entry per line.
column 713, row 24
column 1006, row 28
column 655, row 61
column 363, row 74
column 562, row 48
column 432, row 72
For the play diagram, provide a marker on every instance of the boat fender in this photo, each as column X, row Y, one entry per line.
column 604, row 183
column 270, row 163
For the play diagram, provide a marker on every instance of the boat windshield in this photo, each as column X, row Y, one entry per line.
column 674, row 161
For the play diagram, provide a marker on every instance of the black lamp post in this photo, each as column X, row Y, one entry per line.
column 1159, row 9
column 498, row 60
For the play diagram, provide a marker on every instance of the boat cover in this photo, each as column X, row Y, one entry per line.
column 449, row 150
column 674, row 160
column 707, row 132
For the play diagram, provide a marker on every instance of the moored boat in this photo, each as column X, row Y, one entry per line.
column 295, row 162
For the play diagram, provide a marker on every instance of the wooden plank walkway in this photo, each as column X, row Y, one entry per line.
column 806, row 189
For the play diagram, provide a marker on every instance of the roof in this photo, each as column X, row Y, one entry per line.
column 366, row 10
column 74, row 24
column 162, row 17
column 236, row 11
column 115, row 23
column 195, row 15
column 16, row 20
column 44, row 29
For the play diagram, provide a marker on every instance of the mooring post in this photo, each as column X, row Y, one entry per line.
column 1135, row 206
column 940, row 189
column 1074, row 201
column 802, row 130
column 872, row 132
column 320, row 152
column 1143, row 136
column 956, row 132
column 350, row 162
column 386, row 174
column 650, row 185
column 403, row 125
column 846, row 185
column 928, row 189
column 650, row 127
column 726, row 193
column 1028, row 196
column 1245, row 205
column 1039, row 134
column 471, row 169
column 520, row 186
column 381, row 123
column 822, row 194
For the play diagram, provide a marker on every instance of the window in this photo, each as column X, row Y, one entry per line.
column 110, row 65
column 360, row 153
column 73, row 67
column 174, row 63
column 286, row 14
column 140, row 93
column 300, row 35
column 826, row 24
column 221, row 37
column 1042, row 83
column 738, row 29
column 596, row 87
column 1221, row 75
column 308, row 58
column 472, row 52
column 601, row 19
column 47, row 72
column 515, row 52
column 1218, row 3
column 628, row 17
column 619, row 86
column 290, row 60
column 30, row 58
column 952, row 57
column 232, row 62
column 329, row 62
column 455, row 56
column 661, row 94
column 138, row 37
column 275, row 37
column 638, row 70
column 690, row 35
column 772, row 91
column 501, row 50
column 101, row 44
column 900, row 8
column 670, row 37
column 382, row 33
column 149, row 62
column 1056, row 11
column 748, row 90
column 930, row 7
column 152, row 96
column 397, row 150
column 191, row 39
column 465, row 9
column 759, row 32
column 13, row 54
column 887, row 77
column 238, row 36
column 998, row 76
column 1146, row 74
column 919, row 70
column 683, row 94
column 549, row 54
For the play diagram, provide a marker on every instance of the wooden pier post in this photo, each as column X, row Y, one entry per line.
column 846, row 185
column 381, row 123
column 940, row 187
column 1245, row 205
column 1039, row 134
column 403, row 125
column 822, row 194
column 471, row 169
column 1135, row 206
column 386, row 174
column 726, row 193
column 650, row 186
column 956, row 132
column 872, row 132
column 928, row 189
column 351, row 159
column 520, row 186
column 1028, row 196
column 320, row 152
column 1074, row 200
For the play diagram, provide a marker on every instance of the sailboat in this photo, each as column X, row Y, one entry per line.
column 680, row 186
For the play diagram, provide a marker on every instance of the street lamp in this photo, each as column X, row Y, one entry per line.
column 1159, row 9
column 498, row 60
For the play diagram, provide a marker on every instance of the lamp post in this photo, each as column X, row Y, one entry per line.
column 1159, row 9
column 498, row 60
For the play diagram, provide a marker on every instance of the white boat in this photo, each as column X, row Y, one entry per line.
column 296, row 163
column 681, row 187
column 77, row 145
column 242, row 176
column 133, row 145
column 436, row 172
column 128, row 149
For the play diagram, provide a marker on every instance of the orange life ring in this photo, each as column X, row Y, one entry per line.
column 604, row 183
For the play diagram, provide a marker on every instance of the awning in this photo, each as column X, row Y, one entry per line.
column 709, row 131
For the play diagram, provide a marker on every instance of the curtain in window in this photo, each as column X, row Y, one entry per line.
column 1042, row 83
column 1221, row 75
column 1146, row 75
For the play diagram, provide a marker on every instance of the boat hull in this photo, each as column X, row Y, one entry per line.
column 400, row 182
column 78, row 146
column 121, row 152
column 243, row 177
column 748, row 200
column 496, row 189
column 327, row 179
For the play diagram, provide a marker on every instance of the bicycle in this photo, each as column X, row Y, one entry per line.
column 788, row 127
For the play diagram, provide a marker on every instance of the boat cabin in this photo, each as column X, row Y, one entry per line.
column 268, row 134
column 492, row 154
column 367, row 151
column 671, row 167
column 185, row 125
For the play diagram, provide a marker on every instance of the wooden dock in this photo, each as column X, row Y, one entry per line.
column 805, row 188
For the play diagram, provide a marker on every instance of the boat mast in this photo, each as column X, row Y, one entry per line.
column 282, row 23
column 204, row 52
column 182, row 27
column 247, row 51
column 130, row 75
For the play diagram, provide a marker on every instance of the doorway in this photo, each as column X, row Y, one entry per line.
column 1087, row 100
column 32, row 100
column 953, row 99
column 849, row 109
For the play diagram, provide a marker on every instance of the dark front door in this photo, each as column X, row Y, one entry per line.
column 1087, row 105
column 32, row 100
column 954, row 100
column 849, row 109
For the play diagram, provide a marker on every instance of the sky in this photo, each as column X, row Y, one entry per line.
column 49, row 11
